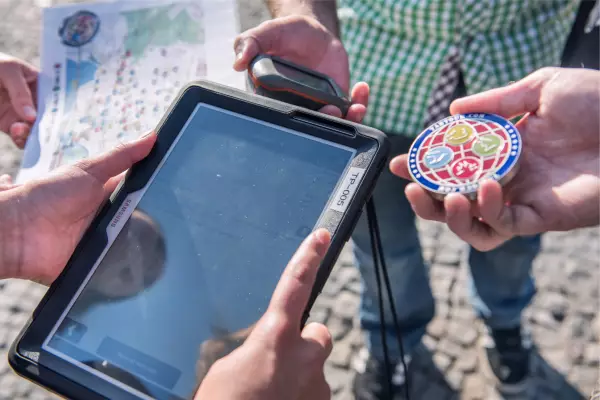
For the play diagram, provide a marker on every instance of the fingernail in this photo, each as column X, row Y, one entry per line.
column 5, row 179
column 137, row 139
column 29, row 112
column 323, row 236
column 239, row 48
column 450, row 211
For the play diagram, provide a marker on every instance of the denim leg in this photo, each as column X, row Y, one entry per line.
column 502, row 284
column 408, row 277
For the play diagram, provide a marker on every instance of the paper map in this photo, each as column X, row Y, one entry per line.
column 109, row 71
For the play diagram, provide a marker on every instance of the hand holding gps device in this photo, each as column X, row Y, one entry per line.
column 192, row 244
column 279, row 79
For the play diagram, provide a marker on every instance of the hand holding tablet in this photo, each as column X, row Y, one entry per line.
column 47, row 217
column 192, row 243
column 291, row 361
column 303, row 351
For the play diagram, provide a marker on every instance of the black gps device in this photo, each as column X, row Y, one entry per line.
column 276, row 78
column 177, row 267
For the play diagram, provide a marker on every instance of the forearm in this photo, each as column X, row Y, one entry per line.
column 10, row 237
column 325, row 11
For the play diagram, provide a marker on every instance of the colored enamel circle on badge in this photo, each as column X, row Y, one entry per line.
column 455, row 154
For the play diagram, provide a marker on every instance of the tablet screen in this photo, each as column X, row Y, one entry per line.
column 195, row 265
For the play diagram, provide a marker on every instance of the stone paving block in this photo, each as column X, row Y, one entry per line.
column 447, row 238
column 336, row 378
column 356, row 338
column 584, row 307
column 442, row 361
column 557, row 359
column 346, row 275
column 447, row 256
column 428, row 254
column 438, row 327
column 578, row 328
column 442, row 271
column 592, row 354
column 319, row 314
column 575, row 269
column 454, row 377
column 556, row 303
column 473, row 388
column 429, row 342
column 465, row 314
column 544, row 318
column 341, row 355
column 546, row 338
column 354, row 287
column 333, row 286
column 584, row 377
column 576, row 350
column 338, row 327
column 18, row 320
column 441, row 288
column 467, row 361
column 16, row 288
column 449, row 347
column 442, row 310
column 346, row 305
column 346, row 257
column 462, row 333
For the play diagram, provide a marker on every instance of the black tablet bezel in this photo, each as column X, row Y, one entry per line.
column 26, row 355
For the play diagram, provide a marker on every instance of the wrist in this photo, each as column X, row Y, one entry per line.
column 11, row 235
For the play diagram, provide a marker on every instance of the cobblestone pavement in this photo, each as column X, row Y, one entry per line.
column 564, row 315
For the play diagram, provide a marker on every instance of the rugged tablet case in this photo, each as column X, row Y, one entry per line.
column 25, row 351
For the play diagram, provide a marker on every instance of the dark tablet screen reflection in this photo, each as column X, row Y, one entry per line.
column 196, row 264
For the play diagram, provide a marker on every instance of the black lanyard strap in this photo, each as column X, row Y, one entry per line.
column 380, row 267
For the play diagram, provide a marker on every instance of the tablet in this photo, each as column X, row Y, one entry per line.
column 182, row 261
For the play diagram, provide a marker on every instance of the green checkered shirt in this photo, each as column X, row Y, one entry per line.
column 400, row 46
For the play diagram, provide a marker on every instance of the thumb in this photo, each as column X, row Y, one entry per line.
column 285, row 36
column 12, row 77
column 509, row 101
column 399, row 166
column 110, row 164
column 293, row 291
column 318, row 335
column 6, row 182
column 246, row 48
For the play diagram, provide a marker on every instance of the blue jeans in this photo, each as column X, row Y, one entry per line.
column 501, row 281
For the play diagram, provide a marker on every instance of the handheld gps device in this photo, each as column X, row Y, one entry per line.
column 183, row 259
column 283, row 80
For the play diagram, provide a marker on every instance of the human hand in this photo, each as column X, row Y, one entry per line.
column 42, row 221
column 279, row 360
column 305, row 41
column 18, row 86
column 557, row 187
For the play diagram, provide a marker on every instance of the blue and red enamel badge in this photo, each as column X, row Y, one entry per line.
column 455, row 154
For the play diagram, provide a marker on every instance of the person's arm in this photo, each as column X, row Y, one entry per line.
column 325, row 11
column 42, row 220
column 10, row 247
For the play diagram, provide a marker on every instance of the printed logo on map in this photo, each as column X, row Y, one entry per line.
column 79, row 29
